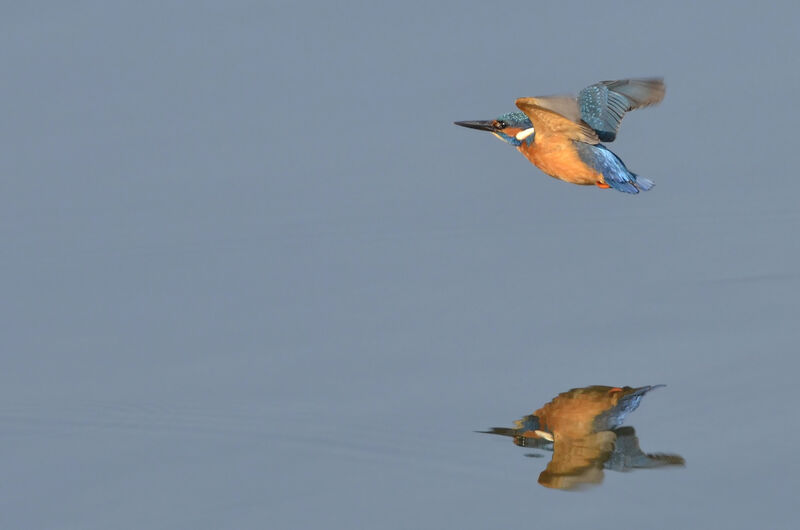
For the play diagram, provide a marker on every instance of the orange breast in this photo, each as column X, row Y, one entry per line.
column 557, row 157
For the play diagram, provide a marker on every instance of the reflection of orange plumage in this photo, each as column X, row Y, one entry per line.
column 573, row 413
column 582, row 427
column 579, row 460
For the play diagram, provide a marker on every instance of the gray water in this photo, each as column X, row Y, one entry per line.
column 253, row 277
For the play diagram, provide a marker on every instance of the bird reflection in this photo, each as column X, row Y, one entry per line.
column 583, row 429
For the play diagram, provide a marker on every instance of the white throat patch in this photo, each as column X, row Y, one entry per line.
column 546, row 435
column 524, row 134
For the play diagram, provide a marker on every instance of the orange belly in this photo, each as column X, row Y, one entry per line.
column 558, row 158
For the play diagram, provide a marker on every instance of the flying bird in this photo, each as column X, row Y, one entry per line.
column 561, row 135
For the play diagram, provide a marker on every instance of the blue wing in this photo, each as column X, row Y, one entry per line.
column 604, row 104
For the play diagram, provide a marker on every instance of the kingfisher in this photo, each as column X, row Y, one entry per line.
column 583, row 429
column 561, row 135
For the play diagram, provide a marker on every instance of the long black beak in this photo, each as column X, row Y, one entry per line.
column 481, row 125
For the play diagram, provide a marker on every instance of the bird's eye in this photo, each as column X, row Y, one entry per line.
column 500, row 124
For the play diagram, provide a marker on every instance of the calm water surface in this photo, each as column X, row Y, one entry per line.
column 255, row 278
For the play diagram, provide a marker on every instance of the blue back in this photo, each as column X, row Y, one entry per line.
column 614, row 417
column 616, row 175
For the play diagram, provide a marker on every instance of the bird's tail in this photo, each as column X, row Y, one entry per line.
column 643, row 183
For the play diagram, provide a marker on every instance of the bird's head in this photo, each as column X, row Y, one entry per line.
column 512, row 127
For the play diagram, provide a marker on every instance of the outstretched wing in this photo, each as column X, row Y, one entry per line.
column 604, row 104
column 557, row 116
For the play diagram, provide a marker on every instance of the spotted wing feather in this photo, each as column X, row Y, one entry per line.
column 604, row 104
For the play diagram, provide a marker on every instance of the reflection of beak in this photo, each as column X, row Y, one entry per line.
column 481, row 125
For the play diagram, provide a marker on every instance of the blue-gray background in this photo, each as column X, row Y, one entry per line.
column 253, row 277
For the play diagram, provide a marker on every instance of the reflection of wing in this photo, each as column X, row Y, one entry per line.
column 578, row 461
column 628, row 455
column 556, row 116
column 604, row 104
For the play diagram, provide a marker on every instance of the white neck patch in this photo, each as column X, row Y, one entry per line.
column 524, row 134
